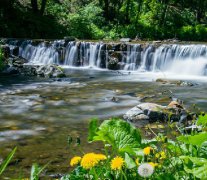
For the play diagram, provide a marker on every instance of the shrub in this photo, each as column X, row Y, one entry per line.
column 127, row 155
column 187, row 33
column 201, row 32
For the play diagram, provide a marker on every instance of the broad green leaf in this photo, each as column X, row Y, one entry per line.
column 7, row 160
column 195, row 166
column 197, row 139
column 194, row 161
column 93, row 126
column 199, row 172
column 202, row 120
column 129, row 162
column 122, row 136
column 203, row 150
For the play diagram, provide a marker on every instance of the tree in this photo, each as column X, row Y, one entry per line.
column 36, row 10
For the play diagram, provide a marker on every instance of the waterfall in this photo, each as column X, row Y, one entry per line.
column 172, row 58
column 132, row 57
column 181, row 59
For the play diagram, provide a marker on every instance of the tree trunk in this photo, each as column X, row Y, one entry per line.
column 34, row 6
column 43, row 5
column 127, row 12
column 106, row 9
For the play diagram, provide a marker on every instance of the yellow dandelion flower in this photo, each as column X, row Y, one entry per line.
column 100, row 157
column 137, row 161
column 75, row 160
column 153, row 164
column 117, row 163
column 91, row 159
column 163, row 155
column 148, row 150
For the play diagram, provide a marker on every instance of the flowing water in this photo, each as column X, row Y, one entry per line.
column 188, row 59
column 37, row 115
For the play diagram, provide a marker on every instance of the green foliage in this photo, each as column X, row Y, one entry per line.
column 119, row 134
column 1, row 59
column 196, row 140
column 198, row 32
column 202, row 120
column 97, row 19
column 184, row 158
column 195, row 166
column 4, row 164
column 36, row 171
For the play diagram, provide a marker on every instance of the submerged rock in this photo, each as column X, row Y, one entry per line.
column 175, row 82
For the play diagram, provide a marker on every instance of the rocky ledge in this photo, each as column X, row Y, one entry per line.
column 15, row 65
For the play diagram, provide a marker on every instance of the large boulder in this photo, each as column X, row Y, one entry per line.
column 50, row 71
column 18, row 62
column 145, row 113
column 113, row 63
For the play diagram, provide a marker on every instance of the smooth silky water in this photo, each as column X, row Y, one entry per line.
column 37, row 115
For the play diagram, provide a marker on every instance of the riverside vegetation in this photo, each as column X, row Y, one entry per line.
column 128, row 155
column 104, row 19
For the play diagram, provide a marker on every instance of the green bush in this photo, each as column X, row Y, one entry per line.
column 127, row 155
column 198, row 33
column 201, row 32
column 187, row 33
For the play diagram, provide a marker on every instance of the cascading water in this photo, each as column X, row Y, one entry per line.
column 181, row 59
column 172, row 58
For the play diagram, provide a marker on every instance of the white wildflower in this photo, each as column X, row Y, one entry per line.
column 145, row 170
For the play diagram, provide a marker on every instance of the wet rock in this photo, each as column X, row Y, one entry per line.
column 151, row 112
column 15, row 51
column 125, row 40
column 175, row 104
column 36, row 42
column 10, row 70
column 123, row 47
column 113, row 63
column 18, row 62
column 28, row 70
column 132, row 114
column 115, row 99
column 185, row 83
column 50, row 71
column 116, row 47
column 157, row 42
column 109, row 47
column 167, row 81
column 192, row 128
column 69, row 39
column 175, row 82
column 116, row 55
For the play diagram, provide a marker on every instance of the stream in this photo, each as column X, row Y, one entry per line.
column 37, row 114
